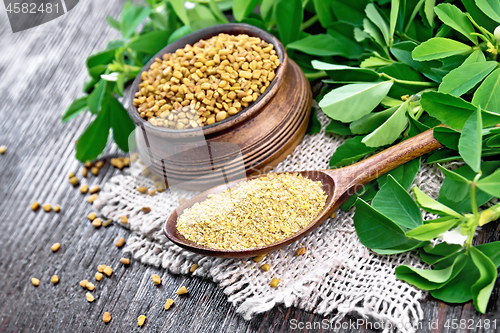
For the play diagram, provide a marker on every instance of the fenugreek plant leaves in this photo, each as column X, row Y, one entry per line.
column 462, row 79
column 289, row 20
column 481, row 290
column 470, row 142
column 433, row 228
column 491, row 184
column 456, row 19
column 432, row 206
column 438, row 48
column 488, row 93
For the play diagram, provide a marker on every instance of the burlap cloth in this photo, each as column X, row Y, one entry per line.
column 337, row 276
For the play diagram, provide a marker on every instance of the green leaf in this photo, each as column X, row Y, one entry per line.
column 78, row 106
column 93, row 141
column 447, row 137
column 179, row 33
column 491, row 184
column 393, row 17
column 488, row 93
column 462, row 79
column 324, row 11
column 346, row 73
column 394, row 202
column 389, row 131
column 433, row 254
column 432, row 206
column 476, row 56
column 95, row 97
column 201, row 17
column 404, row 174
column 324, row 45
column 367, row 193
column 181, row 11
column 336, row 127
column 350, row 151
column 403, row 52
column 452, row 16
column 372, row 121
column 430, row 231
column 431, row 279
column 375, row 230
column 131, row 18
column 314, row 125
column 493, row 141
column 453, row 175
column 150, row 42
column 437, row 48
column 481, row 290
column 120, row 122
column 113, row 23
column 374, row 33
column 453, row 111
column 241, row 8
column 353, row 101
column 470, row 144
column 268, row 11
column 374, row 16
column 412, row 244
column 478, row 15
column 429, row 11
column 490, row 8
column 289, row 20
column 217, row 12
column 101, row 58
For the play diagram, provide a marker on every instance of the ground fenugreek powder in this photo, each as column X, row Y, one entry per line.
column 206, row 82
column 254, row 213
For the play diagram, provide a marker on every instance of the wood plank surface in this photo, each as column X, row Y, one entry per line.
column 42, row 71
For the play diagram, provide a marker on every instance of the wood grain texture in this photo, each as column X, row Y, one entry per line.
column 42, row 70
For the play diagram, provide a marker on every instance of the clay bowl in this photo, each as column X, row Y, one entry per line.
column 248, row 143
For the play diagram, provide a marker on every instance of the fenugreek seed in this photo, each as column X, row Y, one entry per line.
column 71, row 175
column 126, row 161
column 141, row 320
column 108, row 271
column 99, row 164
column 125, row 261
column 84, row 172
column 89, row 297
column 84, row 283
column 101, row 268
column 193, row 267
column 90, row 286
column 274, row 282
column 146, row 210
column 84, row 189
column 259, row 258
column 301, row 251
column 57, row 209
column 73, row 181
column 98, row 276
column 124, row 219
column 88, row 164
column 55, row 247
column 142, row 189
column 168, row 304
column 156, row 279
column 95, row 171
column 107, row 222
column 120, row 242
column 265, row 267
column 106, row 317
column 92, row 198
column 182, row 290
column 3, row 149
column 35, row 206
column 47, row 208
column 152, row 192
column 117, row 163
column 92, row 216
column 35, row 282
column 54, row 279
column 333, row 215
column 94, row 189
column 97, row 222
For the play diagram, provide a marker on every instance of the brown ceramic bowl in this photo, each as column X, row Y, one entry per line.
column 256, row 139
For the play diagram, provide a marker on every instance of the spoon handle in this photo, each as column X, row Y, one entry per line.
column 361, row 173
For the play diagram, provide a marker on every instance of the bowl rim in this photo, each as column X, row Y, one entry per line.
column 250, row 111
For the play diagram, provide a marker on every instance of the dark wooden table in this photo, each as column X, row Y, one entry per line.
column 42, row 70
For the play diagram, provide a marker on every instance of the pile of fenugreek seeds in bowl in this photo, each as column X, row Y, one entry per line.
column 207, row 82
column 254, row 213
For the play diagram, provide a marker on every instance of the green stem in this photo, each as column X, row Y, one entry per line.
column 308, row 23
column 316, row 75
column 402, row 35
column 412, row 83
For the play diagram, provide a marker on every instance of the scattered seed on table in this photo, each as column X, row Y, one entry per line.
column 92, row 198
column 117, row 163
column 107, row 222
column 94, row 189
column 259, row 258
column 89, row 297
column 35, row 206
column 95, row 171
column 47, row 208
column 125, row 261
column 168, row 304
column 126, row 161
column 274, row 282
column 152, row 192
column 141, row 320
column 301, row 251
column 57, row 209
column 333, row 215
column 98, row 276
column 55, row 247
column 124, row 219
column 106, row 317
column 71, row 174
column 142, row 189
column 182, row 290
column 84, row 283
column 99, row 164
column 97, row 222
column 92, row 216
column 3, row 149
column 84, row 189
column 108, row 271
column 88, row 164
column 85, row 172
column 146, row 210
column 35, row 282
column 193, row 267
column 120, row 242
column 156, row 279
column 74, row 181
column 54, row 279
column 101, row 268
column 90, row 286
column 265, row 267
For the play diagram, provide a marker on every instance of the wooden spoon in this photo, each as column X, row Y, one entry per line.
column 339, row 184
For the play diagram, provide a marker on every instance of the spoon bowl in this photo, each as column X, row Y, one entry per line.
column 338, row 184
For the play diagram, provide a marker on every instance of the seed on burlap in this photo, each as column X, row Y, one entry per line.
column 106, row 317
column 35, row 282
column 182, row 290
column 120, row 242
column 156, row 279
